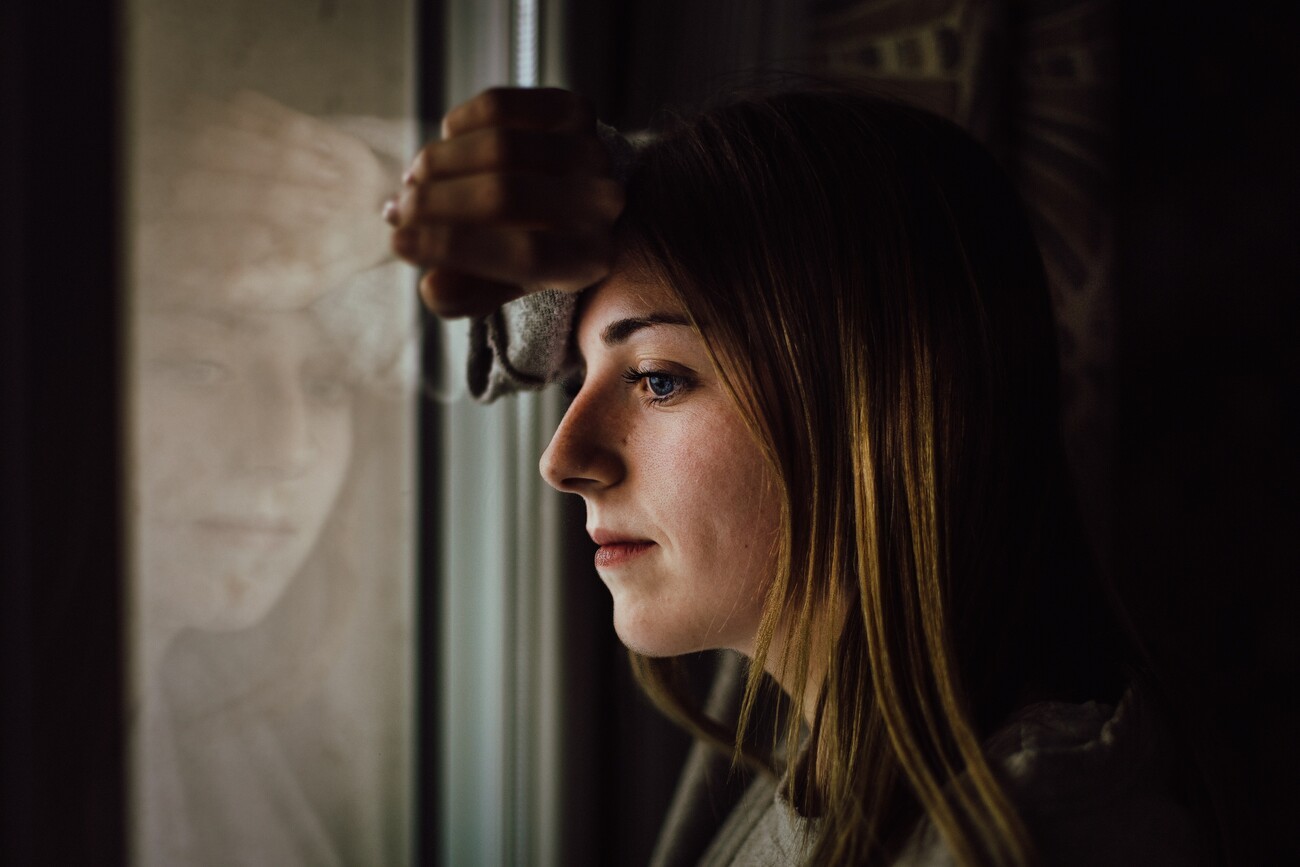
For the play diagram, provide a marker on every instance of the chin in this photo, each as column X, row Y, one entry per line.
column 240, row 602
column 232, row 619
column 654, row 636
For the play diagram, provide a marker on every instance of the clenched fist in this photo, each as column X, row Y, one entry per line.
column 517, row 196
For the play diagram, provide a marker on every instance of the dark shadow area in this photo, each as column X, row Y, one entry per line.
column 1206, row 512
column 62, row 721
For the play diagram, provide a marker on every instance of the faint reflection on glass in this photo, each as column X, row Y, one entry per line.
column 272, row 370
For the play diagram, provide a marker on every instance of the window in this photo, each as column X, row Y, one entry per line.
column 260, row 602
column 270, row 379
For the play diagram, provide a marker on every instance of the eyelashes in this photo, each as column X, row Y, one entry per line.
column 658, row 386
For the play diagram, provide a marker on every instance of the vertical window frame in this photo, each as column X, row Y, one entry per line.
column 61, row 612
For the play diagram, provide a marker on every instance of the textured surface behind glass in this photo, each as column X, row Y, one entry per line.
column 272, row 370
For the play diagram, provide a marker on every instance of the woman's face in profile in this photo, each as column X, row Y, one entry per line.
column 244, row 433
column 677, row 493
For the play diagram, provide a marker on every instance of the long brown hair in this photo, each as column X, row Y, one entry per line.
column 871, row 294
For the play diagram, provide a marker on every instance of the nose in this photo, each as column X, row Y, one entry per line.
column 279, row 439
column 583, row 456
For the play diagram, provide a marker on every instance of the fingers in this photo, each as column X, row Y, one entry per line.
column 567, row 261
column 516, row 196
column 499, row 149
column 515, row 200
column 451, row 294
column 545, row 108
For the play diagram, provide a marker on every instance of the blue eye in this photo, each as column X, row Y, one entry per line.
column 661, row 384
column 662, row 387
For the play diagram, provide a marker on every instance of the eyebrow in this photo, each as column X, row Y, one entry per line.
column 618, row 331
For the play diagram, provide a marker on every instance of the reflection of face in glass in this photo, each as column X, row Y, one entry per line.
column 245, row 433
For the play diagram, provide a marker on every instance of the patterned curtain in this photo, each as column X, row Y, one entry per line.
column 1035, row 82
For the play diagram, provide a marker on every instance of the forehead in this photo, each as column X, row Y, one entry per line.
column 623, row 295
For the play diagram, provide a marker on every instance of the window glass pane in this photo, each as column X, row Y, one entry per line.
column 272, row 371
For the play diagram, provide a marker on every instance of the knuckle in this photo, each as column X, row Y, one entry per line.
column 442, row 242
column 495, row 197
column 439, row 160
column 530, row 253
column 583, row 109
column 411, row 205
column 430, row 201
column 421, row 245
column 492, row 103
column 500, row 148
column 403, row 244
column 423, row 163
column 438, row 294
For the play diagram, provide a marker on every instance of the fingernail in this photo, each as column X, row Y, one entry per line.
column 408, row 179
column 390, row 212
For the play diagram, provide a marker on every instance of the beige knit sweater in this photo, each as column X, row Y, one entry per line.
column 1090, row 781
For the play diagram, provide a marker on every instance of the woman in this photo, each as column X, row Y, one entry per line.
column 267, row 367
column 817, row 424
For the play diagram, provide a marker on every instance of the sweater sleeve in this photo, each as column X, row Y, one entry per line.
column 524, row 344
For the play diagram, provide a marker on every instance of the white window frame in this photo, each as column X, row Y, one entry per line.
column 500, row 673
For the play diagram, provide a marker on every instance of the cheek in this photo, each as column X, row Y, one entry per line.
column 724, row 506
column 179, row 446
column 333, row 432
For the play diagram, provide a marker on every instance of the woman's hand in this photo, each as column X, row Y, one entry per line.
column 245, row 202
column 516, row 197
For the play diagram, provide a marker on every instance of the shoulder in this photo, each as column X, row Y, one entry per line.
column 764, row 830
column 1092, row 783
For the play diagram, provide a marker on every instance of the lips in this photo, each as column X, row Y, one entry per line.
column 617, row 549
column 610, row 556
